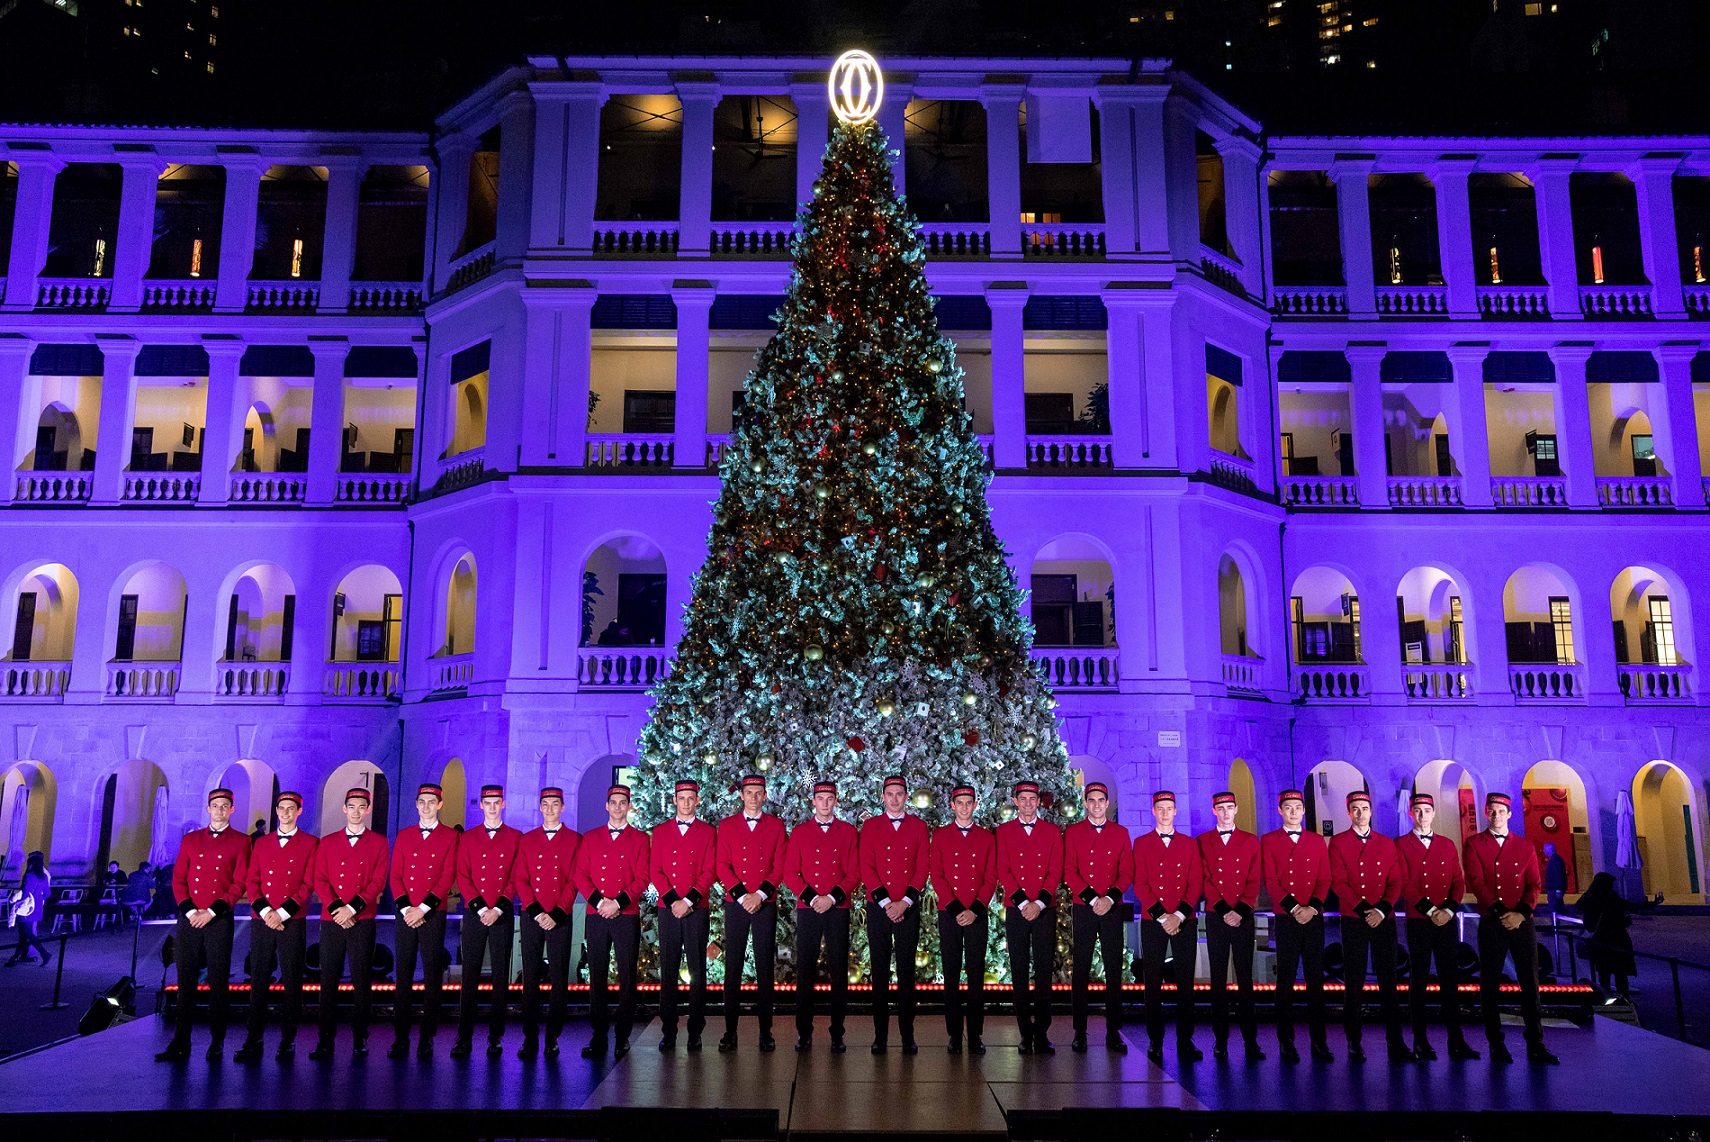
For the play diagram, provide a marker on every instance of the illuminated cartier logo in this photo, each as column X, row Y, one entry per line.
column 856, row 87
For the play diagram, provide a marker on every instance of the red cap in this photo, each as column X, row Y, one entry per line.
column 492, row 791
column 430, row 787
column 1419, row 799
column 963, row 791
column 552, row 791
column 1026, row 787
column 897, row 780
column 358, row 794
column 1290, row 795
column 751, row 779
column 1496, row 799
column 1163, row 795
column 618, row 791
column 687, row 787
column 1359, row 795
column 226, row 793
column 1223, row 798
column 825, row 787
column 289, row 795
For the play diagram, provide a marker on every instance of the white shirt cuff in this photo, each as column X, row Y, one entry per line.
column 885, row 903
column 1178, row 915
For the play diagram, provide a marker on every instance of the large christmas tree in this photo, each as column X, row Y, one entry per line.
column 855, row 616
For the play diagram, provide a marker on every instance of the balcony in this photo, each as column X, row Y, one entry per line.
column 1697, row 300
column 1523, row 303
column 630, row 451
column 1321, row 491
column 1606, row 301
column 36, row 681
column 1547, row 682
column 386, row 297
column 1425, row 492
column 1222, row 270
column 956, row 239
column 161, row 488
column 1241, row 674
column 1529, row 491
column 360, row 683
column 142, row 681
column 1449, row 682
column 53, row 487
column 1333, row 682
column 390, row 489
column 620, row 668
column 284, row 296
column 270, row 488
column 1413, row 301
column 474, row 266
column 1080, row 454
column 1648, row 684
column 73, row 293
column 1084, row 240
column 452, row 672
column 1084, row 671
column 178, row 294
column 637, row 240
column 752, row 239
column 1309, row 301
column 1635, row 491
column 251, row 681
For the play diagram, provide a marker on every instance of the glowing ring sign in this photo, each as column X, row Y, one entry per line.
column 857, row 87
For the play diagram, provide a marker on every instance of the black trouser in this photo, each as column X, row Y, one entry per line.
column 357, row 942
column 620, row 935
column 1184, row 949
column 814, row 929
column 681, row 938
column 1357, row 940
column 887, row 941
column 1427, row 942
column 285, row 947
column 494, row 942
column 1300, row 946
column 738, row 927
column 1496, row 943
column 209, row 946
column 428, row 944
column 27, row 939
column 1106, row 933
column 962, row 951
column 545, row 955
column 1225, row 945
column 1032, row 955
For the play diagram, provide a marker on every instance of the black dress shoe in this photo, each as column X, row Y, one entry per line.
column 1323, row 1054
column 879, row 1047
column 424, row 1047
column 976, row 1046
column 1289, row 1054
column 596, row 1049
column 361, row 1046
column 1043, row 1047
column 1462, row 1050
column 286, row 1052
column 1156, row 1054
column 323, row 1050
column 1399, row 1053
column 552, row 1048
column 838, row 1046
column 1079, row 1043
column 216, row 1052
column 1187, row 1052
column 1255, row 1053
column 727, row 1043
column 248, row 1053
column 495, row 1049
column 621, row 1049
column 668, row 1044
column 1220, row 1050
column 1356, row 1053
column 767, row 1043
column 804, row 1044
column 955, row 1046
column 462, row 1049
column 529, row 1049
column 1426, row 1053
column 1541, row 1055
column 399, row 1048
column 910, row 1047
column 1499, row 1053
column 1116, row 1044
column 694, row 1041
column 176, row 1052
column 1025, row 1047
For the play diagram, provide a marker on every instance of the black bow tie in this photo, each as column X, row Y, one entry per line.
column 1292, row 832
column 1225, row 832
column 966, row 829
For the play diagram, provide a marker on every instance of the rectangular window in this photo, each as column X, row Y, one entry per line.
column 649, row 411
column 1351, row 604
column 1053, row 604
column 1542, row 446
column 1453, row 651
column 1660, row 630
column 1562, row 621
column 1297, row 620
column 1644, row 455
column 24, row 627
column 125, row 645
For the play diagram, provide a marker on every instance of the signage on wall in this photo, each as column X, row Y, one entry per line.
column 1169, row 739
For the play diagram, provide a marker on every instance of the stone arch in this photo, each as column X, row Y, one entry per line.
column 1459, row 793
column 39, row 661
column 1240, row 604
column 354, row 775
column 1556, row 807
column 622, row 592
column 1668, row 816
column 590, row 807
column 1327, row 787
column 131, row 810
column 29, row 794
column 157, row 628
column 1078, row 575
column 1653, row 631
column 456, row 632
column 255, row 789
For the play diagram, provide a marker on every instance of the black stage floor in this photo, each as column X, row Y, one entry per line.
column 109, row 1086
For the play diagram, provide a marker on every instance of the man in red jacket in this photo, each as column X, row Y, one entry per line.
column 822, row 867
column 424, row 867
column 486, row 869
column 1098, row 864
column 1366, row 876
column 1030, row 867
column 350, row 875
column 683, row 862
column 611, row 874
column 963, row 862
column 208, row 877
column 1502, row 874
column 281, row 877
column 1169, row 879
column 1230, row 857
column 1297, row 875
column 546, row 892
column 751, row 847
column 1432, row 887
column 893, row 867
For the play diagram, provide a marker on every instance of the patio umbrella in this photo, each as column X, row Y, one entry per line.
column 157, row 854
column 1627, row 856
column 20, row 823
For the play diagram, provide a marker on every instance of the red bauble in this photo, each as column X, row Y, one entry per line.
column 1046, row 800
column 879, row 572
column 972, row 737
column 1003, row 689
column 857, row 744
column 954, row 595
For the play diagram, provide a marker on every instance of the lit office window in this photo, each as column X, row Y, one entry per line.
column 1662, row 631
column 100, row 257
column 1597, row 265
column 296, row 257
column 1561, row 618
column 195, row 257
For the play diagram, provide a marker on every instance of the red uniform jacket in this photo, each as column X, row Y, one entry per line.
column 1503, row 874
column 683, row 865
column 281, row 876
column 964, row 868
column 823, row 862
column 1431, row 875
column 894, row 858
column 613, row 868
column 1296, row 872
column 486, row 866
column 1030, row 867
column 1364, row 874
column 1097, row 862
column 353, row 874
column 751, row 860
column 1231, row 871
column 1168, row 878
column 423, row 869
column 544, row 875
column 210, row 870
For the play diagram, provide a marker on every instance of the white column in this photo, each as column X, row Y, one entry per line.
column 137, row 188
column 557, row 376
column 1469, row 433
column 226, row 408
column 1116, row 171
column 450, row 189
column 118, row 409
column 813, row 128
column 1125, row 378
column 15, row 352
column 1653, row 184
column 326, row 418
column 516, row 177
column 1593, row 619
column 1009, row 376
column 1354, row 224
column 1553, row 195
column 1380, row 644
column 694, row 214
column 237, row 232
column 434, row 436
column 1573, row 425
column 1181, row 166
column 1454, row 234
column 1149, row 176
column 1365, row 412
column 893, row 114
column 1003, row 169
column 566, row 165
column 1681, row 427
column 32, row 216
column 338, row 241
column 1243, row 209
column 694, row 307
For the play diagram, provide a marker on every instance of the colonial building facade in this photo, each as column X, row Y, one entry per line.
column 1334, row 462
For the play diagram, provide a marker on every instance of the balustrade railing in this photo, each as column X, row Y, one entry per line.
column 178, row 293
column 1309, row 301
column 1242, row 673
column 360, row 681
column 1518, row 302
column 635, row 239
column 1697, row 299
column 36, row 681
column 290, row 295
column 452, row 671
column 1529, row 491
column 251, row 681
column 460, row 471
column 1648, row 682
column 1333, row 682
column 956, row 239
column 1062, row 239
column 1413, row 301
column 1635, row 491
column 1321, row 491
column 73, row 293
column 52, row 487
column 1446, row 682
column 1547, row 682
column 1615, row 301
column 630, row 450
column 1425, row 491
column 142, row 681
column 269, row 487
column 388, row 297
column 372, row 488
column 1069, row 453
column 471, row 267
column 161, row 487
column 1233, row 473
column 620, row 668
column 752, row 239
column 1066, row 669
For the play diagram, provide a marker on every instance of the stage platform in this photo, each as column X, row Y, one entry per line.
column 108, row 1086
